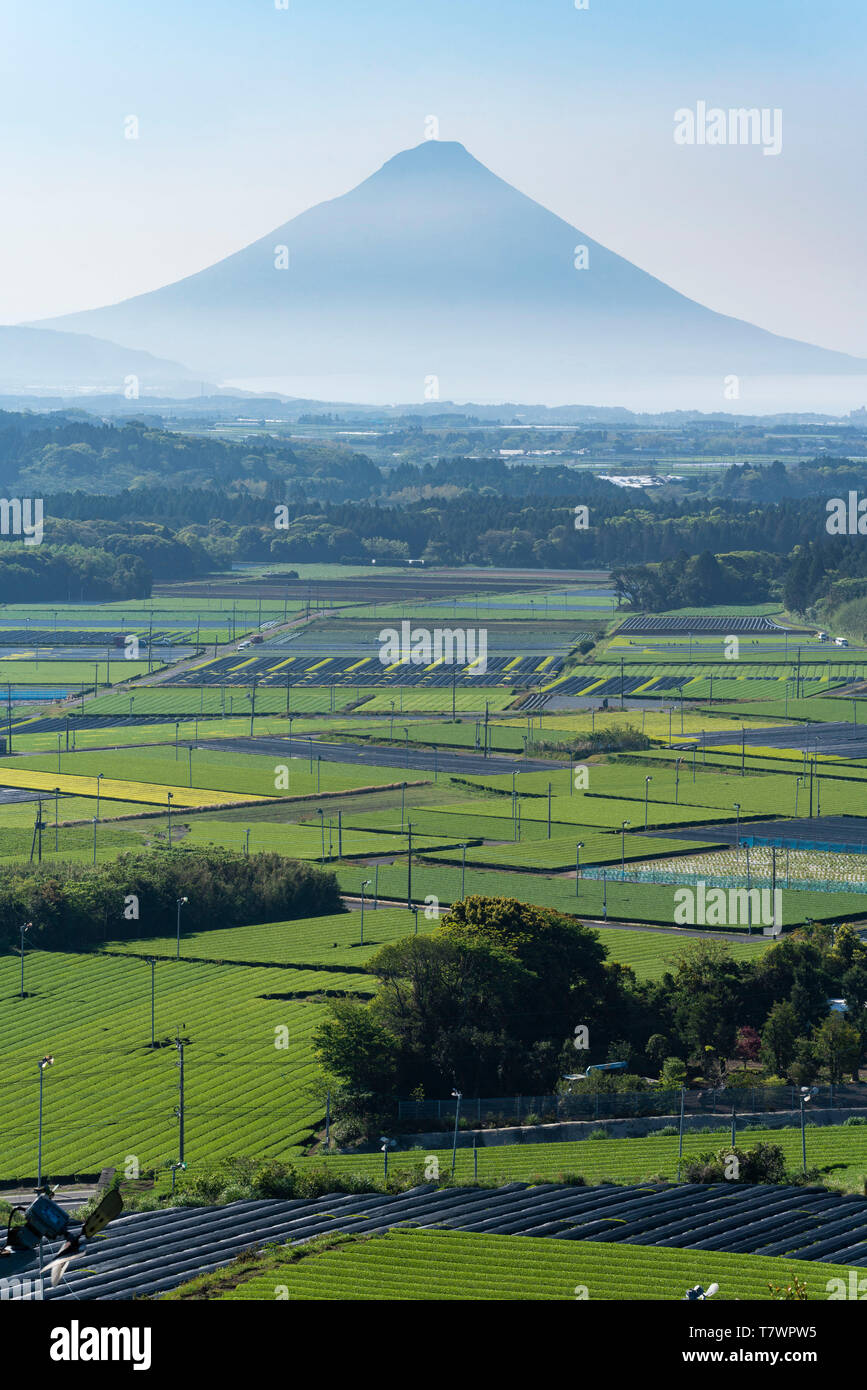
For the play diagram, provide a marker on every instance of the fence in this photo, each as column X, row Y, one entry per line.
column 668, row 877
column 746, row 1100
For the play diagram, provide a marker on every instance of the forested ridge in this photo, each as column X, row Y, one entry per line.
column 127, row 503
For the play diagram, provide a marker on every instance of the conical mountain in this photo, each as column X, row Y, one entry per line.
column 436, row 268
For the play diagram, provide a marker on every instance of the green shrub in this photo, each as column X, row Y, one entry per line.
column 275, row 1179
column 764, row 1163
column 235, row 1192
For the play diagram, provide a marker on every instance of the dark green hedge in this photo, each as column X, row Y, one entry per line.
column 73, row 908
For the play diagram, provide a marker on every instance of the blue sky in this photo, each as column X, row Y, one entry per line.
column 249, row 114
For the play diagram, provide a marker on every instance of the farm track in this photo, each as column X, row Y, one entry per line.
column 385, row 755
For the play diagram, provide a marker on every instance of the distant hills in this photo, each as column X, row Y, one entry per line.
column 436, row 275
column 38, row 360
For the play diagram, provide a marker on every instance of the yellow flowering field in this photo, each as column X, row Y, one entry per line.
column 113, row 789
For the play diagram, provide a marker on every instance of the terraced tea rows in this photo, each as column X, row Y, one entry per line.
column 330, row 940
column 109, row 1095
column 449, row 1265
column 337, row 940
column 839, row 1151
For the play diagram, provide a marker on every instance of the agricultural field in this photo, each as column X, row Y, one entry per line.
column 580, row 809
column 245, row 996
column 414, row 700
column 110, row 1095
column 27, row 671
column 538, row 606
column 228, row 703
column 454, row 1265
column 342, row 941
column 119, row 789
column 838, row 1151
column 70, row 844
column 817, row 709
column 557, row 854
column 650, row 954
column 192, row 771
column 326, row 842
column 127, row 732
column 433, row 683
column 591, row 898
column 843, row 871
column 335, row 939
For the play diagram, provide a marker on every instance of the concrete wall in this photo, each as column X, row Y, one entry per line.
column 641, row 1125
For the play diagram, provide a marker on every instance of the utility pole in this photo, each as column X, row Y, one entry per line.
column 23, row 930
column 46, row 1062
column 151, row 961
column 409, row 865
column 179, row 1044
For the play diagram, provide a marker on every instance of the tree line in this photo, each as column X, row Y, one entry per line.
column 506, row 998
column 75, row 908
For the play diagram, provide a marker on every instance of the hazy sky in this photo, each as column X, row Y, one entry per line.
column 248, row 114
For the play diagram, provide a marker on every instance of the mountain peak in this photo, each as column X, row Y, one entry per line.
column 432, row 158
column 442, row 150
